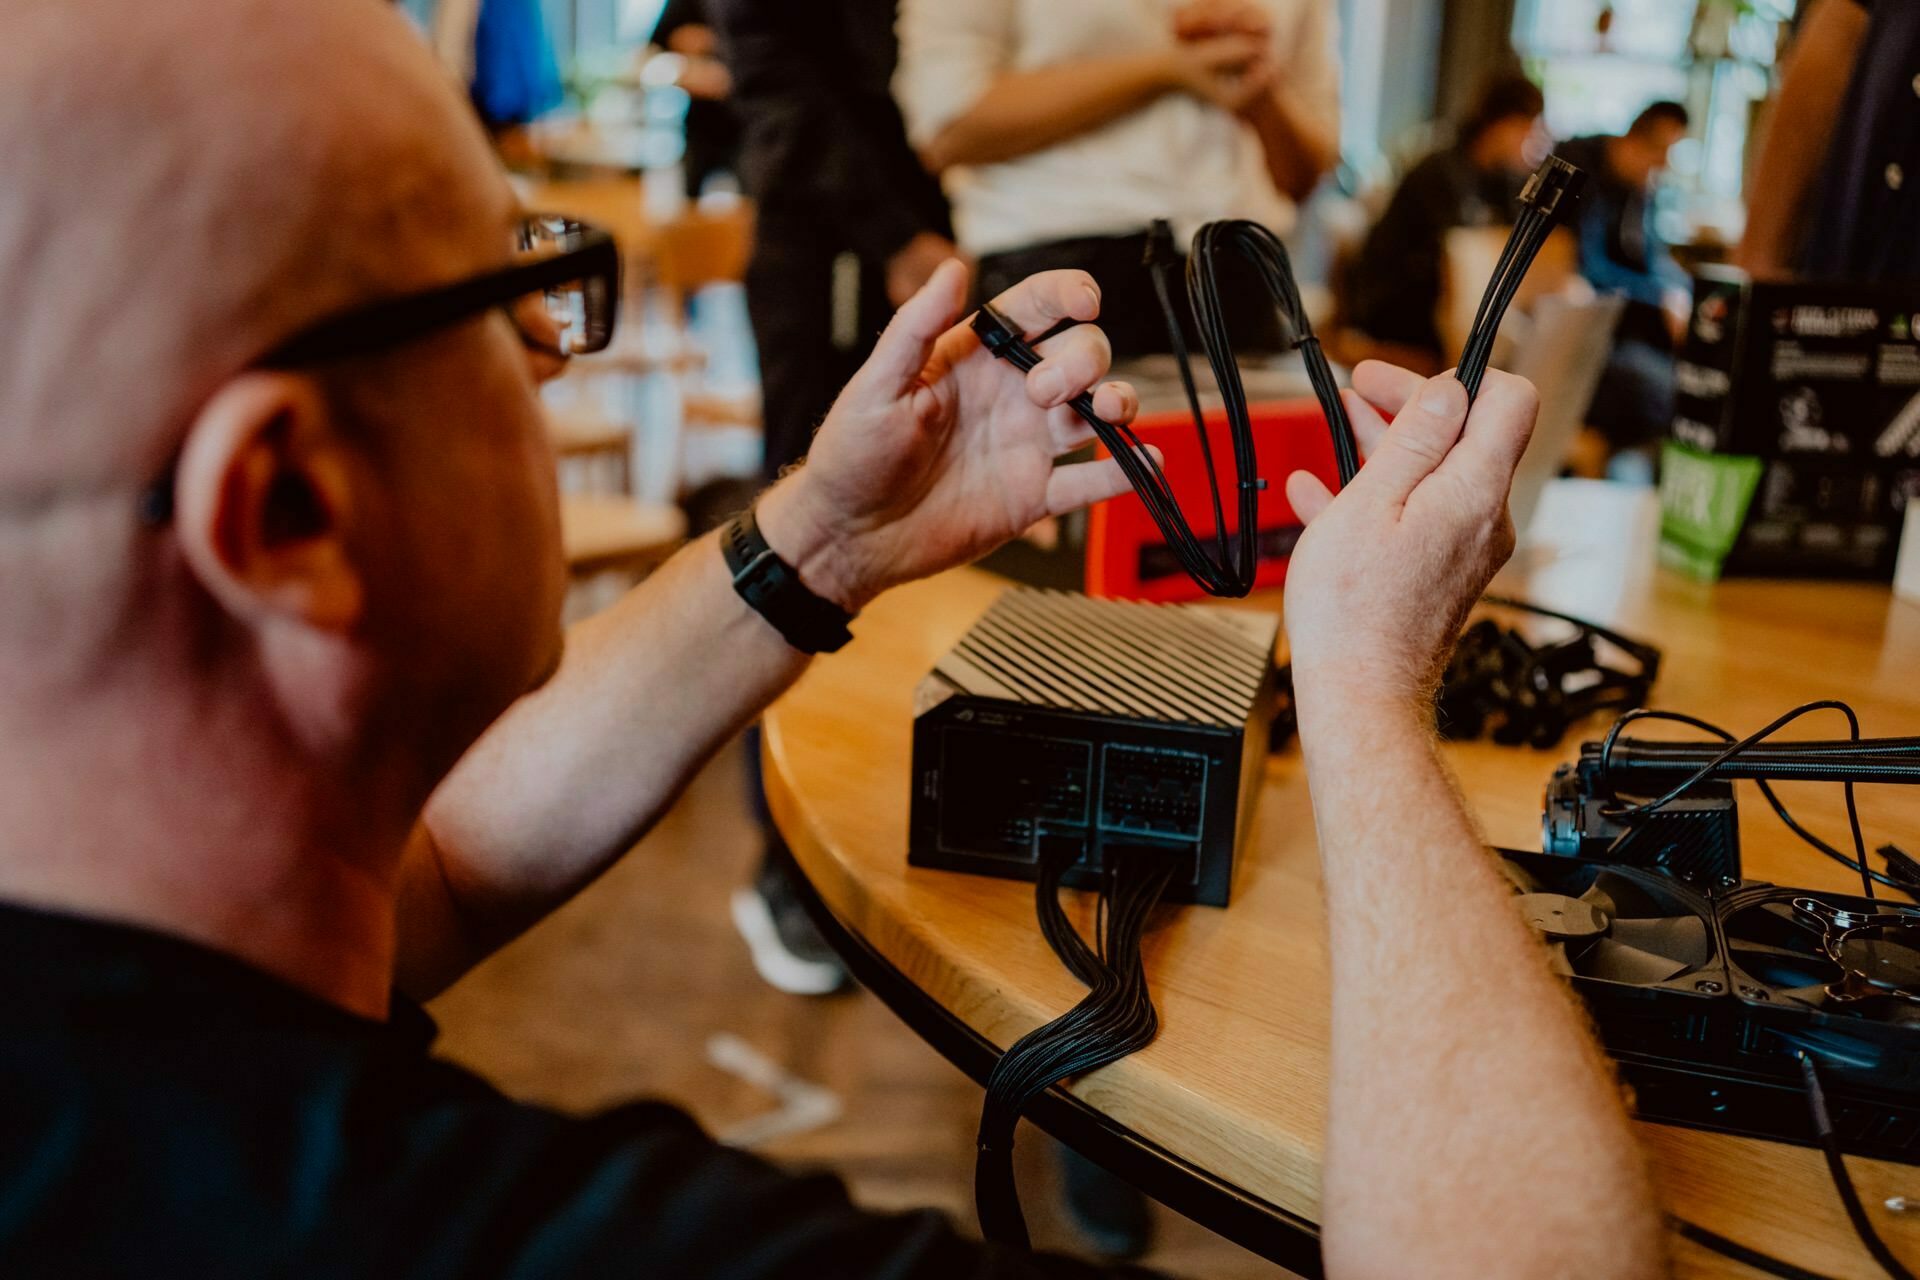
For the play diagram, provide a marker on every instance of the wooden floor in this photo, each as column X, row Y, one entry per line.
column 621, row 995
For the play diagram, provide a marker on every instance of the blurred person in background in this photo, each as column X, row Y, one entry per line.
column 1621, row 252
column 713, row 132
column 1064, row 128
column 501, row 52
column 847, row 227
column 1393, row 287
column 1836, row 193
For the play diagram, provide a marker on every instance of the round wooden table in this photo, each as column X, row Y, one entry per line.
column 1221, row 1117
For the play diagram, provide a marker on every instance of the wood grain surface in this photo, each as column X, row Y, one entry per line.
column 1236, row 1082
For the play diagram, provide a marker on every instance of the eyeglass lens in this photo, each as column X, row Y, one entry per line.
column 581, row 310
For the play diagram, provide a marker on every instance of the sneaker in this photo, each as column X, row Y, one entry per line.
column 787, row 950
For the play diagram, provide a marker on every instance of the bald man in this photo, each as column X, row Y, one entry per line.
column 287, row 742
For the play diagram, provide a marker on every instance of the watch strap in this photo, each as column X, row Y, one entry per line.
column 772, row 588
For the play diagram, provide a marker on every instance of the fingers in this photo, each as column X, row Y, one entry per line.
column 902, row 352
column 1073, row 362
column 1081, row 484
column 1041, row 301
column 1368, row 426
column 1387, row 387
column 1117, row 402
column 1422, row 434
column 1308, row 495
column 1496, row 434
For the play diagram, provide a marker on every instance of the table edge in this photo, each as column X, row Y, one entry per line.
column 1250, row 1221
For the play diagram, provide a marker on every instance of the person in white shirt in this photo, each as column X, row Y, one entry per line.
column 1063, row 128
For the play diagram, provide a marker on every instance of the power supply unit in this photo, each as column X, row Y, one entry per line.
column 1100, row 723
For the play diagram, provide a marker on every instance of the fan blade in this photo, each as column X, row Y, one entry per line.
column 1682, row 939
column 1598, row 898
column 1557, row 959
column 1785, row 955
column 1617, row 962
column 1560, row 918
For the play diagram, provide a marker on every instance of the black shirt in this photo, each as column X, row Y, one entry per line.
column 1867, row 221
column 1395, row 283
column 813, row 85
column 168, row 1111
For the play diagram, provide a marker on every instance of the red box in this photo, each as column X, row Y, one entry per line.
column 1128, row 557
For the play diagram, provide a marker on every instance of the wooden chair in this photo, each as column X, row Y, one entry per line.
column 588, row 441
column 605, row 534
column 1467, row 262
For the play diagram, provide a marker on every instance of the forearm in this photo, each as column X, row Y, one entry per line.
column 1298, row 151
column 1028, row 111
column 1473, row 1125
column 1799, row 130
column 577, row 772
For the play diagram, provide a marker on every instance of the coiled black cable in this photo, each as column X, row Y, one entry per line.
column 1228, row 567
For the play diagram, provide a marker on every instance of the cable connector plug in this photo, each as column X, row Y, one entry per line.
column 996, row 333
column 1554, row 188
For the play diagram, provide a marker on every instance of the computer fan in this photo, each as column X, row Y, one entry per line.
column 1616, row 924
column 1708, row 1003
column 1828, row 975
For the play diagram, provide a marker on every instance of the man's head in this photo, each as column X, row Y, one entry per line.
column 361, row 567
column 1640, row 155
column 1502, row 131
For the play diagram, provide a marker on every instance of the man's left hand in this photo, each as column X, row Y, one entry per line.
column 936, row 452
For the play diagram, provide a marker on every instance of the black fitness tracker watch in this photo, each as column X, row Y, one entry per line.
column 774, row 590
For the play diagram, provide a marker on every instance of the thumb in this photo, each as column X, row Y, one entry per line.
column 1308, row 495
column 902, row 351
column 1419, row 439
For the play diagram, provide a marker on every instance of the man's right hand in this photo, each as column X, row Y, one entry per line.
column 1387, row 570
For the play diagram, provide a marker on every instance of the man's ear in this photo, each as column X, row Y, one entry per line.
column 264, row 504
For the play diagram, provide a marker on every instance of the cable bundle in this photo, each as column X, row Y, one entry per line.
column 1228, row 568
column 1552, row 186
column 1879, row 756
column 1115, row 1018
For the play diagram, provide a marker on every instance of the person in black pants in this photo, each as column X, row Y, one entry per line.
column 849, row 226
column 713, row 134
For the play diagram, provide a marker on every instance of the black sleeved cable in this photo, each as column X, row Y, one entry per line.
column 1228, row 566
column 1842, row 1180
column 1633, row 812
column 1741, row 1253
column 1114, row 1019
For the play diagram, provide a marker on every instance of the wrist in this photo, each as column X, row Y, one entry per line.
column 1360, row 700
column 800, row 533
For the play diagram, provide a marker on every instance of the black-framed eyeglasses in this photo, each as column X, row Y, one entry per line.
column 577, row 276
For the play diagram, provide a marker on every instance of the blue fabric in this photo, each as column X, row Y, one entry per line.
column 515, row 75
